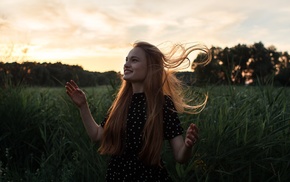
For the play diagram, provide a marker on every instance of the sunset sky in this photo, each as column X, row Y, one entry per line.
column 97, row 34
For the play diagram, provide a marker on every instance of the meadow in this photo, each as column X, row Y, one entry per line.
column 244, row 136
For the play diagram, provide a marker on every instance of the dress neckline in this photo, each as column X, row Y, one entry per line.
column 139, row 93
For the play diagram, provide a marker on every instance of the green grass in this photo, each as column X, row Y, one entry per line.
column 244, row 136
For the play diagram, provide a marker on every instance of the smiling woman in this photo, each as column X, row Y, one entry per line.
column 143, row 114
column 135, row 68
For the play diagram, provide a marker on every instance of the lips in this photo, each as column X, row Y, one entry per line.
column 127, row 71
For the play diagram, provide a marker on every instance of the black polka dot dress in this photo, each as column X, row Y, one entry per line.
column 127, row 166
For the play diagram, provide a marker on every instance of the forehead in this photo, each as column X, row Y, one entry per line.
column 137, row 52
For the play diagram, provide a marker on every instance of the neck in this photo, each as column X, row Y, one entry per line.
column 137, row 88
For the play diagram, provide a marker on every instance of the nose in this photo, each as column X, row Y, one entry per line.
column 126, row 65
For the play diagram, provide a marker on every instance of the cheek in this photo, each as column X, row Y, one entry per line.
column 144, row 72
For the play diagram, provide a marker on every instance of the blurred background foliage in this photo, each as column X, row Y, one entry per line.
column 238, row 65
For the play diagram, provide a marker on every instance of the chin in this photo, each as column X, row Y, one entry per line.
column 125, row 78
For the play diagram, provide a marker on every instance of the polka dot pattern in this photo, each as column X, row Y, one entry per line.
column 128, row 167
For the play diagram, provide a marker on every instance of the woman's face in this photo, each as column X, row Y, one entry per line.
column 135, row 68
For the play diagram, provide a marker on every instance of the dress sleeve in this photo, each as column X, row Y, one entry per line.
column 172, row 125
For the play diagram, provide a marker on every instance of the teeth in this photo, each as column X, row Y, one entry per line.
column 127, row 71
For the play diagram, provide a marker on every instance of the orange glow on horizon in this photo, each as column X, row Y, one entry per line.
column 101, row 60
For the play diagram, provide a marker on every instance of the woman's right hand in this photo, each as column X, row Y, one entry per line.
column 76, row 94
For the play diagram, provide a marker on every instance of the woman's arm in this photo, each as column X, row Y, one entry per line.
column 94, row 131
column 182, row 149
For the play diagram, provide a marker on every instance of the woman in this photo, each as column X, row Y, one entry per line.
column 143, row 114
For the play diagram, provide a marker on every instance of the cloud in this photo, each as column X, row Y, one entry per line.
column 83, row 28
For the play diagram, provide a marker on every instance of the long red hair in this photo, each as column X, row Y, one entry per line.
column 158, row 82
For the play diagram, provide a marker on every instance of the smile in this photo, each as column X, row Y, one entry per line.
column 127, row 71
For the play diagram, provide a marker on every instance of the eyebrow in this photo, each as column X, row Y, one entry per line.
column 132, row 57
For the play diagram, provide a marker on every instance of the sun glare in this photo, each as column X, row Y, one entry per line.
column 49, row 55
column 99, row 59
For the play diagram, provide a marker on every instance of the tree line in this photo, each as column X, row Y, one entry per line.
column 51, row 75
column 238, row 65
column 245, row 65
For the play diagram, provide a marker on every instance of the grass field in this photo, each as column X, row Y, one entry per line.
column 244, row 136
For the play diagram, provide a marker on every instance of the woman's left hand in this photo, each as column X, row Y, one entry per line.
column 191, row 135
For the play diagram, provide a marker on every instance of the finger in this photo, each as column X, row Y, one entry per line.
column 191, row 129
column 194, row 127
column 74, row 84
column 68, row 93
column 189, row 143
column 195, row 135
column 191, row 138
column 192, row 134
column 69, row 88
column 194, row 139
